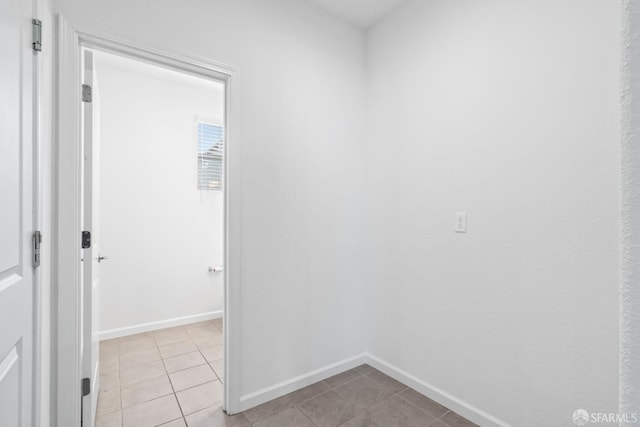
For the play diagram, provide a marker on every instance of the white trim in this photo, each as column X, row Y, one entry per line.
column 232, row 250
column 66, row 378
column 154, row 326
column 452, row 402
column 280, row 389
column 66, row 224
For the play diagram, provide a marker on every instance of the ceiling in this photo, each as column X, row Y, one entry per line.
column 362, row 13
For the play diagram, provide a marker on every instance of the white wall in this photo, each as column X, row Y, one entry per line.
column 159, row 231
column 630, row 209
column 508, row 111
column 300, row 97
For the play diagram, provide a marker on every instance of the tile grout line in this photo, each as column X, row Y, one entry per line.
column 120, row 386
column 175, row 396
column 420, row 409
column 206, row 363
column 156, row 346
column 305, row 414
column 397, row 393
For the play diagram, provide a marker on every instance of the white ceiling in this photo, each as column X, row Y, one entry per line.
column 363, row 13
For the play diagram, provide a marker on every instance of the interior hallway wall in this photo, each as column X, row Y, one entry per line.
column 508, row 111
column 159, row 231
column 300, row 98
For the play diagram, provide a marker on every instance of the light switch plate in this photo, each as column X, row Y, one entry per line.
column 461, row 222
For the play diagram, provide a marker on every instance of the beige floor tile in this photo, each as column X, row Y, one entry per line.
column 145, row 390
column 206, row 331
column 329, row 409
column 291, row 417
column 200, row 397
column 175, row 423
column 108, row 366
column 108, row 347
column 110, row 380
column 141, row 372
column 108, row 402
column 213, row 353
column 108, row 354
column 113, row 419
column 152, row 413
column 136, row 345
column 109, row 394
column 184, row 361
column 218, row 368
column 176, row 349
column 173, row 337
column 204, row 323
column 109, row 344
column 215, row 417
column 191, row 377
column 142, row 356
column 208, row 341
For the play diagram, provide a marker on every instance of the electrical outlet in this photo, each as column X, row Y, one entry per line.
column 461, row 222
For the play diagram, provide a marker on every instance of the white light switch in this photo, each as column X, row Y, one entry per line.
column 461, row 222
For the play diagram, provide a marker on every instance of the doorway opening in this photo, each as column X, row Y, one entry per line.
column 76, row 370
column 76, row 331
column 153, row 272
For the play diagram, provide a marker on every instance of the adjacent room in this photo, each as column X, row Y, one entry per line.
column 160, row 202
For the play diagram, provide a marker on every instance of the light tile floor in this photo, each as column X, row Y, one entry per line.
column 168, row 377
column 173, row 378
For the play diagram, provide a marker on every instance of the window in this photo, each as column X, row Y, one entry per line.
column 210, row 156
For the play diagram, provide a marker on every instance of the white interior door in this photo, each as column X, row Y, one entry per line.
column 91, row 222
column 16, row 213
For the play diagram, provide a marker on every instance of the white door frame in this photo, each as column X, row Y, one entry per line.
column 67, row 196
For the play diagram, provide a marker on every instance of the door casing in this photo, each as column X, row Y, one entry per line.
column 67, row 210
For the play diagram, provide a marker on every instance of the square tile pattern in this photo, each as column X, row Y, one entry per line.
column 173, row 377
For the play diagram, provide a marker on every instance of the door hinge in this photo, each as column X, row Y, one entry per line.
column 86, row 93
column 37, row 34
column 86, row 386
column 86, row 239
column 36, row 242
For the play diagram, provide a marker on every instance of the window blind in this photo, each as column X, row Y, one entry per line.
column 210, row 156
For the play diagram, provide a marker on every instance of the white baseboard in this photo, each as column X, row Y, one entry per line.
column 152, row 326
column 457, row 405
column 266, row 394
